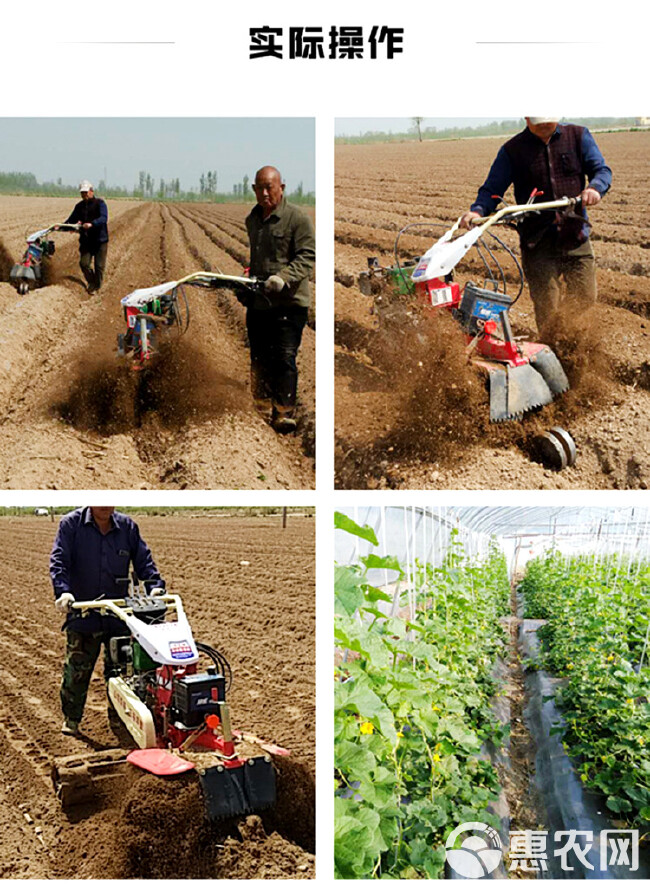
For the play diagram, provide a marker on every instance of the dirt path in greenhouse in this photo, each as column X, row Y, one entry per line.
column 518, row 779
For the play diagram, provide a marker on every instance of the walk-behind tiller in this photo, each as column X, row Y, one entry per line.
column 522, row 375
column 175, row 711
column 150, row 310
column 28, row 273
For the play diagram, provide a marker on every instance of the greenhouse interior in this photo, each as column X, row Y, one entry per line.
column 492, row 688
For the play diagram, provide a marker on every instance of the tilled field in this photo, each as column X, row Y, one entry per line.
column 408, row 415
column 261, row 616
column 72, row 417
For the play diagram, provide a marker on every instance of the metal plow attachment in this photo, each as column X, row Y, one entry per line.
column 516, row 390
column 233, row 792
column 547, row 364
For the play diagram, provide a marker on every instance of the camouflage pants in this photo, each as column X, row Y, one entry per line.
column 81, row 652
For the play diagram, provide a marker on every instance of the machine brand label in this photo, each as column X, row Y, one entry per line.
column 180, row 650
column 487, row 310
column 440, row 295
column 420, row 269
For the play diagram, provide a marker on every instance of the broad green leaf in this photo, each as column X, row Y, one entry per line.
column 358, row 696
column 382, row 562
column 348, row 590
column 617, row 804
column 342, row 522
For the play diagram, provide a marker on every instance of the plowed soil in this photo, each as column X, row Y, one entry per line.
column 261, row 615
column 72, row 416
column 409, row 413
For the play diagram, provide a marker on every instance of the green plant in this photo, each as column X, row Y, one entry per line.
column 597, row 613
column 412, row 708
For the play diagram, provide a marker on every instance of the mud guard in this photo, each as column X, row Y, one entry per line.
column 233, row 792
column 548, row 366
column 516, row 390
column 23, row 273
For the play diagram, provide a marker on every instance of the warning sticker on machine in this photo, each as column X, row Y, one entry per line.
column 180, row 650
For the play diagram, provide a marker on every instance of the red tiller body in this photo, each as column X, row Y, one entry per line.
column 437, row 293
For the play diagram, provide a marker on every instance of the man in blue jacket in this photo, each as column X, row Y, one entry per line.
column 92, row 214
column 559, row 160
column 90, row 559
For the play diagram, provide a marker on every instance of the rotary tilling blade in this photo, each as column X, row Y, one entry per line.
column 526, row 390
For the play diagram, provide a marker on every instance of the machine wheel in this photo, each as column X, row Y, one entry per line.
column 547, row 450
column 121, row 349
column 23, row 288
column 567, row 442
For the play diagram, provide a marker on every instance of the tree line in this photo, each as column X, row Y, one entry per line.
column 420, row 132
column 147, row 188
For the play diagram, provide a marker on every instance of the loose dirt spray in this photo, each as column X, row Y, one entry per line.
column 164, row 834
column 6, row 262
column 180, row 386
column 443, row 404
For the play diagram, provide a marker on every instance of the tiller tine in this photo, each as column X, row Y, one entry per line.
column 233, row 792
column 516, row 390
column 548, row 366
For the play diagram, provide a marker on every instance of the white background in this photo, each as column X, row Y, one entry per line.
column 487, row 59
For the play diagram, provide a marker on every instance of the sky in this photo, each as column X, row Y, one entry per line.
column 116, row 149
column 352, row 126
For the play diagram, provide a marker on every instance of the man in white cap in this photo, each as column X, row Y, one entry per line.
column 92, row 215
column 559, row 160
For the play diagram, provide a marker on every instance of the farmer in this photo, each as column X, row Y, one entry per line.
column 283, row 251
column 92, row 214
column 90, row 559
column 560, row 160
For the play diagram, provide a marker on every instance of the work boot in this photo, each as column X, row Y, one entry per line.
column 283, row 421
column 70, row 728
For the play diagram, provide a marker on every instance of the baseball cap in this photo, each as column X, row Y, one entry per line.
column 536, row 120
column 85, row 185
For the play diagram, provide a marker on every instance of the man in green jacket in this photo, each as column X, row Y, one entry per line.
column 283, row 252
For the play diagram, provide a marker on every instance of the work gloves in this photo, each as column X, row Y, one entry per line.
column 63, row 602
column 274, row 284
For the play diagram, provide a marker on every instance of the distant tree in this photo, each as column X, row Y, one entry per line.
column 417, row 123
column 244, row 185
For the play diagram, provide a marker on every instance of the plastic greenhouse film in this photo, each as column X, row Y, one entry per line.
column 568, row 805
